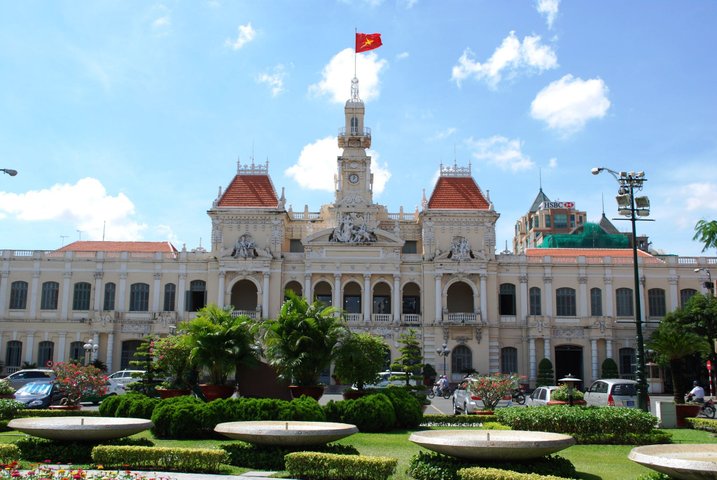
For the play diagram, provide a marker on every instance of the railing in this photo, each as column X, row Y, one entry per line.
column 381, row 317
column 461, row 317
column 354, row 132
column 253, row 314
column 411, row 318
column 353, row 317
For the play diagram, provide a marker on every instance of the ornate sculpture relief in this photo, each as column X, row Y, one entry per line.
column 460, row 250
column 352, row 228
column 246, row 248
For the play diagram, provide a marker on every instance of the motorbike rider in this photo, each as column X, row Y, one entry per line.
column 697, row 394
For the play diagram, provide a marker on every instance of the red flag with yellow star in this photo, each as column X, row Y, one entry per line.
column 367, row 41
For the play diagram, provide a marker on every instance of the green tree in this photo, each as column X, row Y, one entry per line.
column 672, row 343
column 609, row 369
column 706, row 233
column 410, row 360
column 360, row 359
column 546, row 374
column 303, row 340
column 699, row 315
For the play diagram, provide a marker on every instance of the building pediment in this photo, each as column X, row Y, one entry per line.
column 356, row 237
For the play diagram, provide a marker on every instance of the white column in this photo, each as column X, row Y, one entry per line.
column 532, row 370
column 608, row 296
column 366, row 303
column 308, row 294
column 66, row 295
column 583, row 297
column 156, row 287
column 121, row 303
column 61, row 347
column 181, row 294
column 220, row 289
column 594, row 356
column 439, row 306
column 3, row 291
column 608, row 349
column 30, row 341
column 337, row 290
column 98, row 291
column 548, row 289
column 484, row 297
column 265, row 296
column 396, row 299
column 110, row 350
column 674, row 295
column 523, row 300
column 546, row 349
column 33, row 294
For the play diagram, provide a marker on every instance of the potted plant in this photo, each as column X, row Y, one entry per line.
column 220, row 342
column 302, row 341
column 6, row 390
column 491, row 389
column 171, row 359
column 561, row 396
column 359, row 359
column 76, row 381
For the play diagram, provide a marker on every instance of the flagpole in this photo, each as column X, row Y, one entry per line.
column 355, row 33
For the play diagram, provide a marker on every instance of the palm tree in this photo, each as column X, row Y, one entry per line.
column 706, row 233
column 672, row 343
column 302, row 341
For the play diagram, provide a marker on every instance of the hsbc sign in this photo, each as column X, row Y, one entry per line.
column 550, row 205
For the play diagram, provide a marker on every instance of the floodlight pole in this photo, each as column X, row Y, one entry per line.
column 628, row 181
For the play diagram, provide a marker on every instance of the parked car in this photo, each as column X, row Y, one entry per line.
column 40, row 394
column 466, row 401
column 612, row 392
column 385, row 379
column 541, row 396
column 118, row 381
column 25, row 376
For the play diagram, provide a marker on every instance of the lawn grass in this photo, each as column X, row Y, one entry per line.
column 593, row 462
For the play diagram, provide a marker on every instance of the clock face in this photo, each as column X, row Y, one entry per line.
column 353, row 178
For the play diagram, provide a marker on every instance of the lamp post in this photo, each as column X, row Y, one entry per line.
column 632, row 207
column 709, row 285
column 443, row 352
column 9, row 171
column 90, row 350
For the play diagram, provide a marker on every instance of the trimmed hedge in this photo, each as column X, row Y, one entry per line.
column 481, row 473
column 268, row 457
column 328, row 466
column 436, row 466
column 40, row 449
column 206, row 460
column 9, row 452
column 707, row 424
column 578, row 420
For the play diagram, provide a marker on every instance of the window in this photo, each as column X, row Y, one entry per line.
column 410, row 246
column 534, row 301
column 572, row 221
column 565, row 302
column 354, row 126
column 81, row 296
column 48, row 300
column 170, row 297
column 536, row 222
column 623, row 297
column 352, row 303
column 411, row 304
column 18, row 295
column 547, row 221
column 509, row 360
column 13, row 353
column 109, row 296
column 381, row 304
column 45, row 351
column 596, row 302
column 627, row 361
column 129, row 347
column 197, row 295
column 324, row 299
column 139, row 297
column 295, row 246
column 461, row 359
column 506, row 304
column 561, row 220
column 656, row 302
column 685, row 295
column 77, row 351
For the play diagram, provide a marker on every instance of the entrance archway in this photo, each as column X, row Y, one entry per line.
column 569, row 360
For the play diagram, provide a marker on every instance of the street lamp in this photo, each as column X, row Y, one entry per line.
column 90, row 350
column 708, row 284
column 9, row 171
column 632, row 207
column 443, row 352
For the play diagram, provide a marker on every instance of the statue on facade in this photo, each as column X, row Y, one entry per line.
column 460, row 249
column 244, row 247
column 352, row 229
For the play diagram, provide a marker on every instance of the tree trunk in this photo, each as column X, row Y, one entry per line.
column 676, row 372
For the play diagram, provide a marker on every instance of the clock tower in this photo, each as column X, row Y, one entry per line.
column 354, row 181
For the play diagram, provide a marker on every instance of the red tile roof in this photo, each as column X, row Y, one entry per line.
column 587, row 252
column 457, row 193
column 250, row 191
column 140, row 247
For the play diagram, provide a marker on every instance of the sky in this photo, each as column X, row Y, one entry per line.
column 124, row 118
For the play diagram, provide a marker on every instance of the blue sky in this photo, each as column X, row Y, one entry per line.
column 129, row 115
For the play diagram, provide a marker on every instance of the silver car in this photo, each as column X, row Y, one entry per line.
column 541, row 396
column 25, row 376
column 612, row 392
column 467, row 401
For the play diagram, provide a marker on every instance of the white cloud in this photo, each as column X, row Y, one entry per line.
column 502, row 152
column 553, row 163
column 567, row 104
column 548, row 8
column 337, row 74
column 443, row 134
column 403, row 56
column 275, row 79
column 245, row 35
column 86, row 205
column 511, row 58
column 699, row 196
column 317, row 165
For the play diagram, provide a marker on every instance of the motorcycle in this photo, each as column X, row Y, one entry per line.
column 519, row 396
column 707, row 409
column 436, row 391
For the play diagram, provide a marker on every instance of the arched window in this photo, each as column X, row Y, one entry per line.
column 139, row 297
column 197, row 295
column 109, row 296
column 685, row 295
column 13, row 352
column 535, row 304
column 170, row 297
column 596, row 302
column 45, row 352
column 623, row 300
column 656, row 302
column 18, row 295
column 509, row 360
column 48, row 299
column 565, row 302
column 77, row 351
column 81, row 296
column 461, row 359
column 506, row 304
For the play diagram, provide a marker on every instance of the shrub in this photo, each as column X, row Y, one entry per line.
column 453, row 420
column 8, row 453
column 269, row 457
column 546, row 375
column 561, row 394
column 126, row 403
column 9, row 409
column 339, row 467
column 609, row 369
column 181, row 459
column 109, row 405
column 707, row 424
column 373, row 413
column 305, row 408
column 481, row 473
column 435, row 466
column 40, row 450
column 163, row 414
column 407, row 408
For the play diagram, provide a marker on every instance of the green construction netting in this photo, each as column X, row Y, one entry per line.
column 591, row 236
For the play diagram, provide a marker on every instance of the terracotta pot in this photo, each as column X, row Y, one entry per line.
column 561, row 402
column 353, row 394
column 313, row 391
column 212, row 392
column 173, row 392
column 682, row 411
column 7, row 395
column 484, row 412
column 65, row 407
